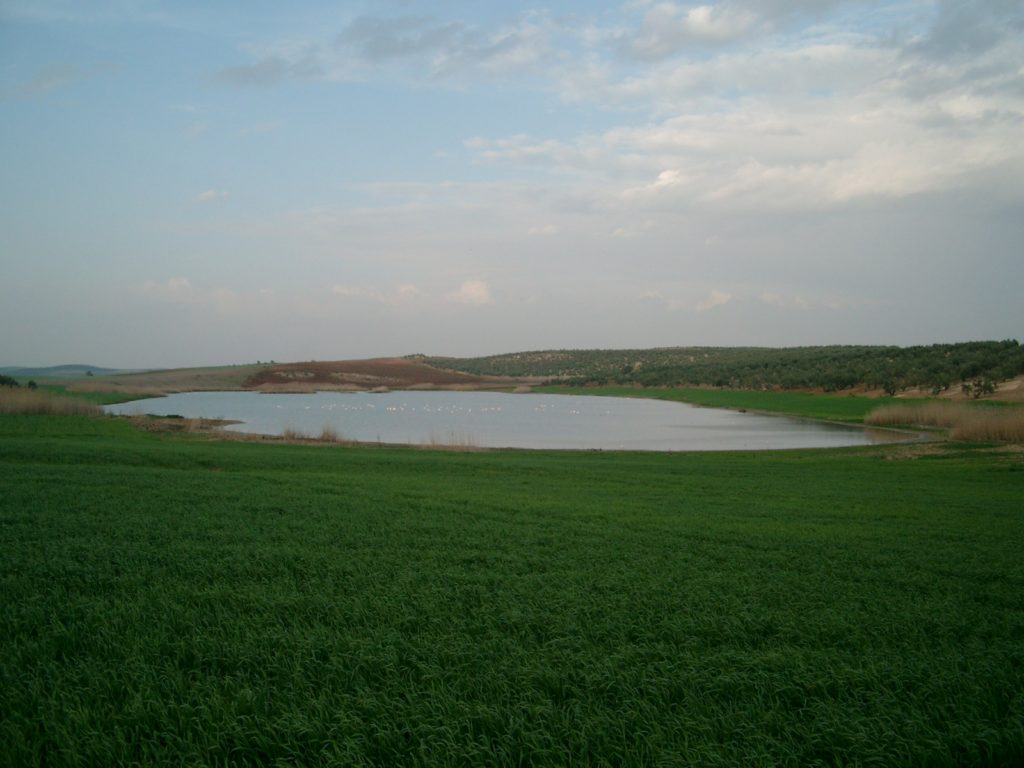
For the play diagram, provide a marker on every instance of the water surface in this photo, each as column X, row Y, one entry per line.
column 497, row 420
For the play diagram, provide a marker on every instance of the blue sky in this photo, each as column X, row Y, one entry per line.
column 196, row 183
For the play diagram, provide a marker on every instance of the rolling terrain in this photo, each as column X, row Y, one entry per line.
column 389, row 372
column 970, row 368
column 378, row 373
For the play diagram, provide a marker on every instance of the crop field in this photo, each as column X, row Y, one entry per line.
column 170, row 599
column 848, row 408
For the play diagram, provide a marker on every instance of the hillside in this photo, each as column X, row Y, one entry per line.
column 392, row 373
column 71, row 371
column 936, row 368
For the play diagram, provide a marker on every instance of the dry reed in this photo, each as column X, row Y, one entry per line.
column 452, row 442
column 330, row 434
column 36, row 402
column 964, row 422
column 327, row 435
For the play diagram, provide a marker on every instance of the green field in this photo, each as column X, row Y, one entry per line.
column 176, row 600
column 849, row 408
column 95, row 397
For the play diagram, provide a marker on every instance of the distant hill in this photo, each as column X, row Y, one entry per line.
column 73, row 371
column 976, row 366
column 387, row 372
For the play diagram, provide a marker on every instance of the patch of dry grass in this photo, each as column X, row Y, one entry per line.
column 452, row 442
column 36, row 402
column 327, row 435
column 964, row 422
column 330, row 435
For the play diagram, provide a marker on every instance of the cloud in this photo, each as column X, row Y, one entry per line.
column 404, row 294
column 49, row 79
column 970, row 27
column 715, row 299
column 547, row 229
column 375, row 38
column 470, row 292
column 274, row 68
column 412, row 47
column 474, row 292
column 667, row 28
column 815, row 125
column 210, row 195
column 175, row 289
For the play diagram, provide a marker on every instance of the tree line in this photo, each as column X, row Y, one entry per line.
column 974, row 366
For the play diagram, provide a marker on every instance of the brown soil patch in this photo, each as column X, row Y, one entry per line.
column 378, row 373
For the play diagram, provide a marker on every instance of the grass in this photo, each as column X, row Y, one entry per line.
column 97, row 397
column 170, row 600
column 176, row 379
column 328, row 434
column 847, row 408
column 964, row 422
column 38, row 401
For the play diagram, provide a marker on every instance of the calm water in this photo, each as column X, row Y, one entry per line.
column 489, row 419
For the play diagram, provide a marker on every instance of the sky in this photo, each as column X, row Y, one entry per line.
column 195, row 183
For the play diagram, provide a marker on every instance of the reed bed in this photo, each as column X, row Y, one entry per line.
column 328, row 434
column 36, row 402
column 452, row 441
column 964, row 422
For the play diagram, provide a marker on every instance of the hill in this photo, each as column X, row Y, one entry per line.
column 72, row 371
column 377, row 373
column 935, row 368
column 389, row 372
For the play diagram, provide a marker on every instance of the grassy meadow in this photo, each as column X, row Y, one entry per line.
column 178, row 600
column 830, row 407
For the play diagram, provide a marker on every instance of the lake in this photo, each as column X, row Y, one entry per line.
column 498, row 420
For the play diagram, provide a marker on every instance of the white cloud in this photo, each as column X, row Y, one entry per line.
column 715, row 299
column 210, row 195
column 667, row 28
column 404, row 294
column 547, row 229
column 813, row 125
column 414, row 47
column 49, row 79
column 475, row 292
column 177, row 289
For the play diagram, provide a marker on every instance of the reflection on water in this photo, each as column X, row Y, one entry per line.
column 490, row 419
